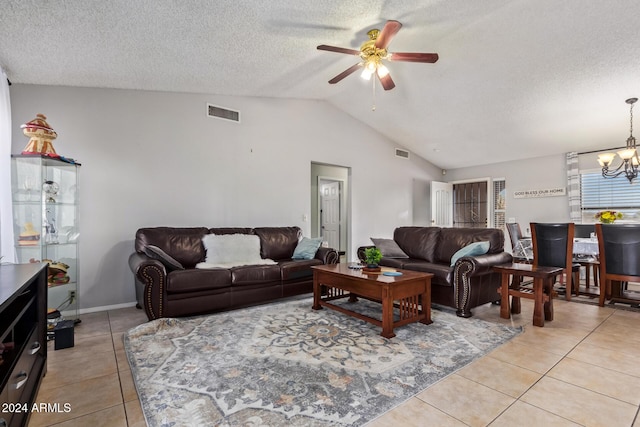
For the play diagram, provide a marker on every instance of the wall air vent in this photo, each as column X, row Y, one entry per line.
column 402, row 153
column 223, row 113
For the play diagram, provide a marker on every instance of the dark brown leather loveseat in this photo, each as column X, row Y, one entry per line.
column 470, row 282
column 176, row 288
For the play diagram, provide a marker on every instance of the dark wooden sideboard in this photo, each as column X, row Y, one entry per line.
column 23, row 329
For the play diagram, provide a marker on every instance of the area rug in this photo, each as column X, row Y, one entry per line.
column 286, row 364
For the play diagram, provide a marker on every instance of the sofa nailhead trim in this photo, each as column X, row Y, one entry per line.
column 150, row 281
column 465, row 284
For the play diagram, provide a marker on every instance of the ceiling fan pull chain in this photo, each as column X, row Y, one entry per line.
column 373, row 106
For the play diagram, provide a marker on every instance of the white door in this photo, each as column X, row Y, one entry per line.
column 441, row 204
column 330, row 213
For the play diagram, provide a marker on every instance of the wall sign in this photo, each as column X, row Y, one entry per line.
column 545, row 192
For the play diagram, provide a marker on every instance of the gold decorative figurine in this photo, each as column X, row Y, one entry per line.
column 41, row 135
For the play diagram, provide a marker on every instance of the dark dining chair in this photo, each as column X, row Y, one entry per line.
column 553, row 247
column 619, row 261
column 515, row 234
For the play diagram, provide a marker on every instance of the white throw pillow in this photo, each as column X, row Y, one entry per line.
column 231, row 250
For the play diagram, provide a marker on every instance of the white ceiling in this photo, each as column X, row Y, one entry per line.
column 515, row 79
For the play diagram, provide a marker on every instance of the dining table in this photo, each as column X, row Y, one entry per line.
column 586, row 246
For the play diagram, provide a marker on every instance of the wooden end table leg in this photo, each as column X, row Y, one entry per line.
column 387, row 315
column 516, row 307
column 504, row 296
column 538, row 294
column 316, row 292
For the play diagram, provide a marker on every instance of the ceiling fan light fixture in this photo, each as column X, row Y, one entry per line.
column 366, row 73
column 374, row 51
column 382, row 71
column 371, row 65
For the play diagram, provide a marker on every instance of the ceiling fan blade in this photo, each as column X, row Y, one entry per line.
column 387, row 81
column 413, row 57
column 390, row 29
column 339, row 49
column 344, row 74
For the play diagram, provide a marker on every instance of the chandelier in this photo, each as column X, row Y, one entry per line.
column 629, row 156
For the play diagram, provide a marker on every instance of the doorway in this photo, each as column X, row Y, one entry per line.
column 441, row 204
column 330, row 202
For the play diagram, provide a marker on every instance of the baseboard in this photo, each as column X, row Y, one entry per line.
column 107, row 307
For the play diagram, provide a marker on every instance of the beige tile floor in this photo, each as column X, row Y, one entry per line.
column 580, row 369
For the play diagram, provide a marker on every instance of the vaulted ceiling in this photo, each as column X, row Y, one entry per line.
column 515, row 78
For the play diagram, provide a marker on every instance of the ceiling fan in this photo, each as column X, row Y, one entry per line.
column 374, row 51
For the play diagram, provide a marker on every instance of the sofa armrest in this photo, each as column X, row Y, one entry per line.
column 153, row 275
column 361, row 250
column 465, row 269
column 482, row 264
column 137, row 260
column 327, row 255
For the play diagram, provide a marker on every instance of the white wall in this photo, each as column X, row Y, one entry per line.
column 155, row 158
column 529, row 174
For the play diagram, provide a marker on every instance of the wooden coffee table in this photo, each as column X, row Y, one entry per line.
column 339, row 281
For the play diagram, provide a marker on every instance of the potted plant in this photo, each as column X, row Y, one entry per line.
column 372, row 257
column 608, row 217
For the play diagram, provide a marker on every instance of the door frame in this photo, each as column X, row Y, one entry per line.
column 341, row 182
column 344, row 177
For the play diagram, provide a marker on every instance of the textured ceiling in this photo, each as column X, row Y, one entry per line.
column 515, row 79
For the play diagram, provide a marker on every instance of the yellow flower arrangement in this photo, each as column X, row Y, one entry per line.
column 608, row 217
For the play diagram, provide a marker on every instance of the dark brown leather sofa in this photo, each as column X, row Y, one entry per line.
column 470, row 282
column 165, row 291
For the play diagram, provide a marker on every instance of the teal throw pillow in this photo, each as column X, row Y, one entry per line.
column 307, row 248
column 472, row 249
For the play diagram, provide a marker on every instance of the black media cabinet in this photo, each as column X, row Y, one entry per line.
column 23, row 329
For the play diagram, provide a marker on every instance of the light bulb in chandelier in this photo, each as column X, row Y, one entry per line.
column 627, row 154
column 605, row 159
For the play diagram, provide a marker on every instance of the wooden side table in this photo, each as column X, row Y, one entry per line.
column 541, row 294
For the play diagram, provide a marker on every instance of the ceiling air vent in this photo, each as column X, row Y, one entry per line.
column 402, row 153
column 223, row 113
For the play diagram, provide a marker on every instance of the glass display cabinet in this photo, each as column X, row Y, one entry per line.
column 45, row 213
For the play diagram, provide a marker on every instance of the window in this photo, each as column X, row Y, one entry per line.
column 598, row 193
column 499, row 203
